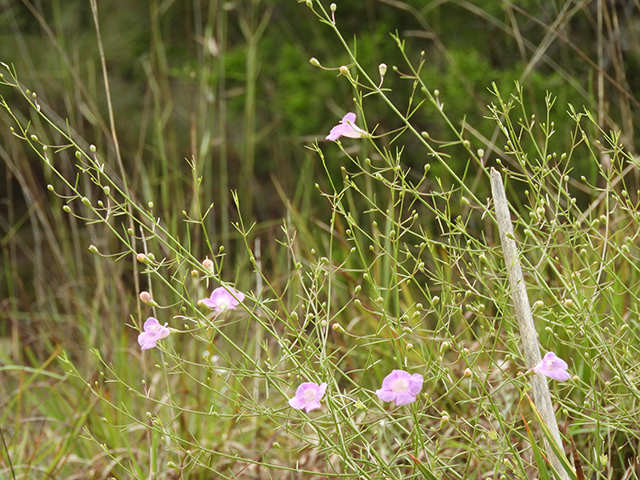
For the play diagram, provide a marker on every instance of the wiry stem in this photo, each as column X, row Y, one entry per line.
column 530, row 343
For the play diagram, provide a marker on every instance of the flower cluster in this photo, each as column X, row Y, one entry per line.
column 221, row 299
column 399, row 387
column 403, row 388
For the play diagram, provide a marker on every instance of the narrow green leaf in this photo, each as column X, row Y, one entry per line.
column 426, row 473
column 557, row 450
column 540, row 459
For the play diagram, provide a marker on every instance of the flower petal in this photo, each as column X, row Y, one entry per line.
column 150, row 323
column 415, row 384
column 321, row 389
column 312, row 405
column 297, row 403
column 390, row 379
column 404, row 398
column 385, row 395
column 353, row 132
column 559, row 375
column 336, row 132
column 349, row 118
column 208, row 303
column 146, row 341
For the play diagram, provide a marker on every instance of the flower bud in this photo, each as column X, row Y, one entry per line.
column 314, row 61
column 208, row 264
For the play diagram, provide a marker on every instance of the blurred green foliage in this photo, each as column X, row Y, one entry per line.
column 167, row 45
column 180, row 83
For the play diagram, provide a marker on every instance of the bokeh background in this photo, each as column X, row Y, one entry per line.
column 229, row 85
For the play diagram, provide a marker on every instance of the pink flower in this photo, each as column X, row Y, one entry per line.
column 153, row 332
column 223, row 298
column 308, row 396
column 400, row 387
column 553, row 367
column 347, row 128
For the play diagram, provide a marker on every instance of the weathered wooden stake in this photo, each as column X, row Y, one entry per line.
column 530, row 343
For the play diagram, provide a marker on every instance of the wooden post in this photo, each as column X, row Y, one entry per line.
column 530, row 344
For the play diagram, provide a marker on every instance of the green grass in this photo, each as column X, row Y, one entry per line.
column 382, row 253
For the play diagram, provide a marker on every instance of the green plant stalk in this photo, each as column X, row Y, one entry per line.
column 221, row 20
column 252, row 34
column 530, row 342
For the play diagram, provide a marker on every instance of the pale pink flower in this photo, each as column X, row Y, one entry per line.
column 223, row 298
column 400, row 387
column 347, row 128
column 153, row 332
column 553, row 367
column 308, row 396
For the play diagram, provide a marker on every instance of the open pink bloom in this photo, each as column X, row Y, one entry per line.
column 153, row 332
column 223, row 298
column 347, row 128
column 553, row 367
column 400, row 387
column 308, row 396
